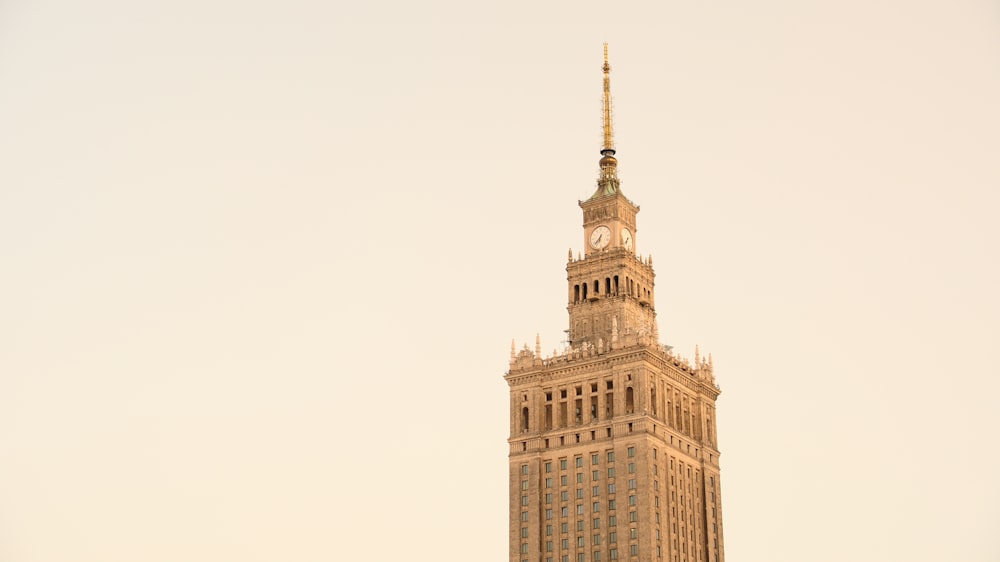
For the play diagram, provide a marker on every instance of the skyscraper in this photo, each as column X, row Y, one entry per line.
column 613, row 452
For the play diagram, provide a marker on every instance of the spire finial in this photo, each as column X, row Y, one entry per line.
column 609, row 143
column 607, row 182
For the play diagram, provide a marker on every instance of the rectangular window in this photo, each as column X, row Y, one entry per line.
column 579, row 525
column 611, row 488
column 631, row 451
column 548, row 498
column 548, row 530
column 597, row 506
column 524, row 516
column 524, row 532
column 656, row 485
column 611, row 504
column 633, row 533
column 611, row 472
column 524, row 469
column 612, row 520
column 580, row 557
column 548, row 546
column 631, row 467
column 597, row 539
column 524, row 500
column 631, row 484
column 548, row 467
column 565, row 558
column 562, row 464
column 612, row 537
column 564, row 528
column 594, row 475
column 656, row 501
column 579, row 541
column 579, row 493
column 579, row 509
column 611, row 456
column 654, row 454
column 564, row 511
column 633, row 516
column 562, row 480
column 631, row 500
column 524, row 548
column 579, row 462
column 597, row 522
column 597, row 556
column 548, row 482
column 613, row 554
column 596, row 491
column 634, row 550
column 524, row 484
column 579, row 478
column 594, row 458
column 564, row 495
column 548, row 513
column 565, row 544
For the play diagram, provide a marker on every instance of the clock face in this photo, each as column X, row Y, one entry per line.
column 600, row 237
column 626, row 239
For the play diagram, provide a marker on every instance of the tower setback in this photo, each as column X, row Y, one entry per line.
column 613, row 452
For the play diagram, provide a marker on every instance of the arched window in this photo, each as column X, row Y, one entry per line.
column 524, row 419
column 576, row 293
column 652, row 399
column 597, row 287
column 629, row 401
column 607, row 285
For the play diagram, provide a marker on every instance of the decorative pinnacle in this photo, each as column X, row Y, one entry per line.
column 607, row 182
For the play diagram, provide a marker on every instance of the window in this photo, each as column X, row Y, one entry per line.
column 548, row 482
column 613, row 554
column 597, row 506
column 564, row 511
column 580, row 557
column 565, row 544
column 597, row 556
column 548, row 498
column 612, row 520
column 634, row 550
column 548, row 467
column 579, row 462
column 564, row 495
column 579, row 478
column 656, row 485
column 562, row 464
column 611, row 488
column 548, row 546
column 564, row 528
column 596, row 491
column 579, row 525
column 611, row 456
column 654, row 453
column 633, row 516
column 633, row 533
column 579, row 541
column 594, row 458
column 611, row 504
column 524, row 484
column 611, row 472
column 631, row 500
column 548, row 530
column 579, row 509
column 656, row 501
column 595, row 475
column 597, row 539
column 524, row 500
column 524, row 548
column 524, row 532
column 631, row 451
column 562, row 480
column 597, row 522
column 524, row 469
column 631, row 484
column 612, row 537
column 579, row 493
column 631, row 467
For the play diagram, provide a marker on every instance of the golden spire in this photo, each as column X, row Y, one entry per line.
column 607, row 182
column 609, row 143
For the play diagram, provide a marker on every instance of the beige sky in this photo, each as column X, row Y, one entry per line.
column 262, row 262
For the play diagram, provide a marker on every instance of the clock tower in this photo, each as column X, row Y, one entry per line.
column 613, row 448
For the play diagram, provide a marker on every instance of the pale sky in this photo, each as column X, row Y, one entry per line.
column 262, row 263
